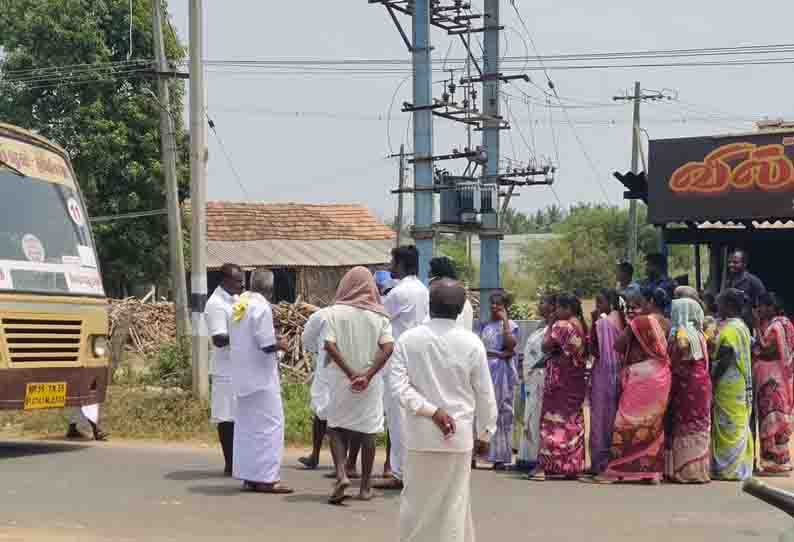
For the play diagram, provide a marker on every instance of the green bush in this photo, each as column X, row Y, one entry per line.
column 170, row 366
column 297, row 412
column 521, row 311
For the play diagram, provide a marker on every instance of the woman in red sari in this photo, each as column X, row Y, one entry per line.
column 637, row 452
column 772, row 380
column 562, row 431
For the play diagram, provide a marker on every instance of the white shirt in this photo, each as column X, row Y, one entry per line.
column 466, row 317
column 252, row 369
column 357, row 335
column 313, row 337
column 314, row 332
column 408, row 305
column 218, row 313
column 440, row 365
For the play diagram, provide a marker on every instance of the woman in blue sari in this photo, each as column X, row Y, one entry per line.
column 500, row 337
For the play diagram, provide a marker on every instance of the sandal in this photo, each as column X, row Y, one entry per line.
column 272, row 489
column 339, row 496
column 536, row 476
column 392, row 484
column 73, row 433
column 308, row 462
column 774, row 474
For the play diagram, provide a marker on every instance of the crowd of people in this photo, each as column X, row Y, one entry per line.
column 679, row 386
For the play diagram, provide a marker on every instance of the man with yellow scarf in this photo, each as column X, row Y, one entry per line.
column 259, row 418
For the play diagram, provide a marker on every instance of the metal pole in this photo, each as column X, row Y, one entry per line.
column 168, row 150
column 423, row 136
column 698, row 270
column 489, row 245
column 635, row 168
column 198, row 196
column 401, row 197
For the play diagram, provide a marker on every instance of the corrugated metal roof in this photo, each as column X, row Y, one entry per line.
column 289, row 253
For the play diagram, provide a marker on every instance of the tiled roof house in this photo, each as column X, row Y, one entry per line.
column 309, row 246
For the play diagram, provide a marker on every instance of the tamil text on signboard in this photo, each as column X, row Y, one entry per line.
column 732, row 178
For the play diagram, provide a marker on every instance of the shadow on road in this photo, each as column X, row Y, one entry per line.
column 217, row 490
column 194, row 475
column 12, row 450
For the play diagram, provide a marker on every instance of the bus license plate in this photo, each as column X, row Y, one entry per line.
column 45, row 395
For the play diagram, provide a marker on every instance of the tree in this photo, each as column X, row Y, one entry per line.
column 592, row 239
column 66, row 77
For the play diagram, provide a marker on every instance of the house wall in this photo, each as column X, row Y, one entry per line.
column 317, row 285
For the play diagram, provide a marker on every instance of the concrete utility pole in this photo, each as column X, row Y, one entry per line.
column 401, row 197
column 168, row 149
column 636, row 152
column 423, row 136
column 489, row 244
column 635, row 168
column 198, row 197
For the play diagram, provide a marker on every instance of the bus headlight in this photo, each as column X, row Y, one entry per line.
column 99, row 346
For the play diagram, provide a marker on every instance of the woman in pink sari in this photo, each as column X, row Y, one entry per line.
column 562, row 442
column 637, row 452
column 772, row 380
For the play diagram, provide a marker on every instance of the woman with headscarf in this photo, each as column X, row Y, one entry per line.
column 689, row 458
column 772, row 380
column 562, row 432
column 608, row 324
column 687, row 292
column 534, row 370
column 637, row 452
column 500, row 337
column 358, row 341
column 731, row 438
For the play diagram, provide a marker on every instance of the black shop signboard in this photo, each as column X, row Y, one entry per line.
column 731, row 178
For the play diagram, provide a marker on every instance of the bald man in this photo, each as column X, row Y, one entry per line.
column 443, row 389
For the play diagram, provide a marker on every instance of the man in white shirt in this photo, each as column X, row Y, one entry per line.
column 218, row 313
column 314, row 333
column 259, row 416
column 440, row 374
column 444, row 268
column 408, row 305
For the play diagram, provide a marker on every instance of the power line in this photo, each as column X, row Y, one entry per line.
column 227, row 156
column 127, row 216
column 553, row 88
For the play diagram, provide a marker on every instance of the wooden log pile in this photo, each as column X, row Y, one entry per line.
column 151, row 325
column 290, row 319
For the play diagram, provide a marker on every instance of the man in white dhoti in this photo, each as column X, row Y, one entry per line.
column 408, row 306
column 358, row 342
column 440, row 374
column 88, row 415
column 444, row 268
column 218, row 313
column 259, row 414
column 314, row 333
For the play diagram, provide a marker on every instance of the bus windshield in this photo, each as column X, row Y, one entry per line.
column 45, row 240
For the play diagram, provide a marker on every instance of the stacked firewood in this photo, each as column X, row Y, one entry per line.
column 151, row 325
column 290, row 319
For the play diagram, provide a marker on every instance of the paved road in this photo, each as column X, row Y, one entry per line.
column 59, row 492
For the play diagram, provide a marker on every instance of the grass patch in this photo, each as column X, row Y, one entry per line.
column 138, row 412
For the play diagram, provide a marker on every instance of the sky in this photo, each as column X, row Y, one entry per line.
column 327, row 138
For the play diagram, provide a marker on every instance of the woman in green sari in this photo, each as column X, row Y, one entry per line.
column 731, row 374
